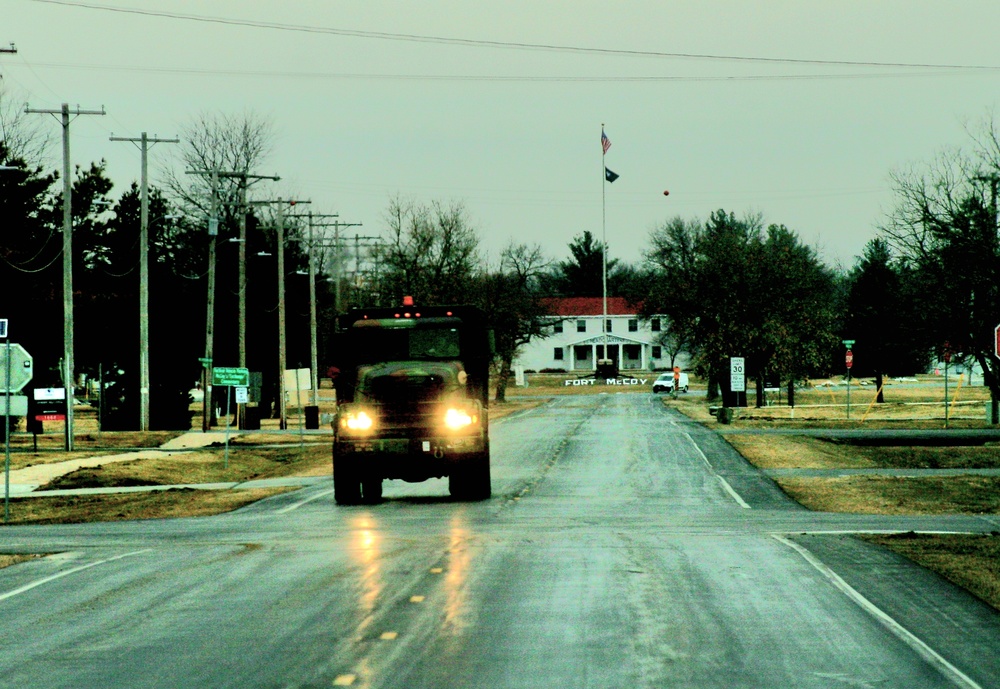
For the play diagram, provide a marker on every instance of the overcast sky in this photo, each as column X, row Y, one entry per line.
column 794, row 110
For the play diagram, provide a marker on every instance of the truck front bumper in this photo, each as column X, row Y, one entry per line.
column 428, row 446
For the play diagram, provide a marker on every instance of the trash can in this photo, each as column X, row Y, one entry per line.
column 251, row 418
column 312, row 416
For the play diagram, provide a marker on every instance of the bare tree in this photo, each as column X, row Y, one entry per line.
column 926, row 194
column 512, row 298
column 944, row 227
column 26, row 138
column 431, row 252
column 217, row 141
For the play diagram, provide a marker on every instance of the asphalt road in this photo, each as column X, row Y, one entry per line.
column 623, row 547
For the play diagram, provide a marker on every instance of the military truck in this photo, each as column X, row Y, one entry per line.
column 412, row 392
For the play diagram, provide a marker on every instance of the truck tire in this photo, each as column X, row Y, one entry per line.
column 346, row 484
column 471, row 479
column 371, row 490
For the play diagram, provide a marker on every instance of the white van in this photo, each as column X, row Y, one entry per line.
column 665, row 383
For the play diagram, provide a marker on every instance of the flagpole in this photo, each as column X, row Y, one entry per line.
column 604, row 245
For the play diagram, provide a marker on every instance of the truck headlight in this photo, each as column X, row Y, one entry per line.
column 456, row 419
column 357, row 421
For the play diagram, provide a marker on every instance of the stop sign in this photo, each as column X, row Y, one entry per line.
column 849, row 358
column 20, row 368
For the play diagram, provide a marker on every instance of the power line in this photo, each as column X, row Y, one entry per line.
column 508, row 45
column 501, row 78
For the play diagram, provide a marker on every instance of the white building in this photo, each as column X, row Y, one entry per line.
column 576, row 341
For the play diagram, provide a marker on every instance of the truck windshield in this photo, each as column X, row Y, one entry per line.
column 407, row 340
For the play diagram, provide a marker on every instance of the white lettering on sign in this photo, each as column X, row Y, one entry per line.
column 607, row 381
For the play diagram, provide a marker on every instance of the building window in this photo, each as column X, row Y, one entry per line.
column 655, row 325
column 657, row 352
column 607, row 325
column 581, row 326
column 557, row 327
column 633, row 325
column 557, row 353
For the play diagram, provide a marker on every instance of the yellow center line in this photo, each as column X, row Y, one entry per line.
column 416, row 599
column 389, row 636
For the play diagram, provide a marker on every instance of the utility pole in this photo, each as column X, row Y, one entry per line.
column 313, row 325
column 282, row 364
column 144, row 142
column 207, row 407
column 67, row 255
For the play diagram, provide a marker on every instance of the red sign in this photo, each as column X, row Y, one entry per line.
column 849, row 358
column 50, row 417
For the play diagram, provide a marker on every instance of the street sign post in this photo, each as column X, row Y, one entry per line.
column 848, row 361
column 737, row 374
column 233, row 377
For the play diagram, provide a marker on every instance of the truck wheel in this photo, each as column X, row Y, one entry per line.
column 371, row 489
column 471, row 480
column 346, row 485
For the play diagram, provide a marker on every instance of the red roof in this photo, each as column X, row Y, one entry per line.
column 589, row 306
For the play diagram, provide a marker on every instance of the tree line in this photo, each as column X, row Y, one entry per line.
column 727, row 285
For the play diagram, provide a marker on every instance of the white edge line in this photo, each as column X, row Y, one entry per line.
column 922, row 649
column 295, row 506
column 60, row 575
column 725, row 484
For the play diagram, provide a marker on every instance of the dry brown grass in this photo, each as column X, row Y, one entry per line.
column 159, row 504
column 769, row 451
column 245, row 463
column 8, row 560
column 969, row 561
column 898, row 496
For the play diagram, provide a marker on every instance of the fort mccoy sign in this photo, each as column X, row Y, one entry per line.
column 606, row 381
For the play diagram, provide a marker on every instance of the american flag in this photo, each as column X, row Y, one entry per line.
column 605, row 141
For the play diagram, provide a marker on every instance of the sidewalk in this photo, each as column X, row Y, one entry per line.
column 26, row 481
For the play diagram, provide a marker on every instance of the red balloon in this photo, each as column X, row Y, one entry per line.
column 666, row 193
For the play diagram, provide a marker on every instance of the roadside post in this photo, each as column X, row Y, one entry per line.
column 206, row 390
column 947, row 360
column 231, row 377
column 6, row 422
column 849, row 361
column 735, row 395
column 994, row 402
column 16, row 369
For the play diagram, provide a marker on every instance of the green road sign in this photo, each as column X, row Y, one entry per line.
column 231, row 376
